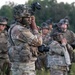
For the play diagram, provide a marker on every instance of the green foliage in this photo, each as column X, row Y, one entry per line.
column 49, row 9
column 73, row 69
column 43, row 72
column 6, row 11
column 54, row 10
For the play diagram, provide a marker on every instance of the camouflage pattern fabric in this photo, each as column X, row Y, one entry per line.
column 55, row 59
column 70, row 37
column 22, row 38
column 57, row 72
column 55, row 56
column 23, row 68
column 34, row 51
column 41, row 59
column 20, row 52
column 46, row 39
column 4, row 59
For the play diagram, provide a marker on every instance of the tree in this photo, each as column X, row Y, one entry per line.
column 54, row 10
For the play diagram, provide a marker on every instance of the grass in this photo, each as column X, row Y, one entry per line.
column 43, row 72
column 73, row 69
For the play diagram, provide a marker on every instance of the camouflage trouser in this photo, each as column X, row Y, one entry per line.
column 57, row 72
column 40, row 63
column 23, row 68
column 5, row 67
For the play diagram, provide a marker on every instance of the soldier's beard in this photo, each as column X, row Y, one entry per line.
column 24, row 22
column 63, row 30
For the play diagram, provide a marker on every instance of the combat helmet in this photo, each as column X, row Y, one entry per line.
column 21, row 11
column 64, row 21
column 3, row 20
column 44, row 25
column 49, row 21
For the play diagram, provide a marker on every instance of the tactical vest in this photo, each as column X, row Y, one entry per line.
column 55, row 56
column 19, row 50
column 70, row 37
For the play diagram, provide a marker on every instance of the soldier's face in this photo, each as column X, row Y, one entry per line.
column 64, row 27
column 2, row 27
column 45, row 31
column 26, row 20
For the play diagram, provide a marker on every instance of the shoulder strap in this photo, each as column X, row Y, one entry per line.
column 9, row 35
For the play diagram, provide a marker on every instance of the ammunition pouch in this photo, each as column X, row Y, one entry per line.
column 20, row 53
column 3, row 48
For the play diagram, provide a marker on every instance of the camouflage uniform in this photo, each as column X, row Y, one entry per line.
column 50, row 24
column 55, row 59
column 46, row 38
column 68, row 35
column 21, row 39
column 4, row 59
column 41, row 59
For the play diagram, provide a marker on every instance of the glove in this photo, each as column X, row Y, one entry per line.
column 43, row 48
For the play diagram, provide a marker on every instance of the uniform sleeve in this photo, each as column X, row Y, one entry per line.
column 73, row 37
column 35, row 40
column 73, row 34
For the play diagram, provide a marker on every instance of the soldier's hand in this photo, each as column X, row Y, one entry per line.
column 64, row 41
column 33, row 18
column 33, row 24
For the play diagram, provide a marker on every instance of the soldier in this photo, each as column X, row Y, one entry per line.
column 55, row 57
column 20, row 39
column 62, row 32
column 4, row 59
column 45, row 33
column 49, row 22
column 63, row 28
column 67, row 34
column 41, row 61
